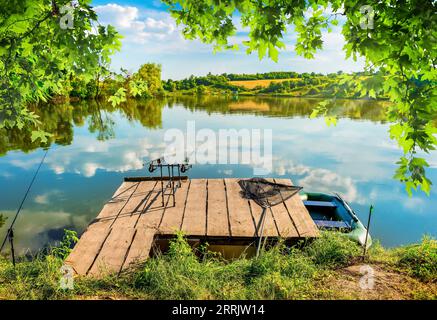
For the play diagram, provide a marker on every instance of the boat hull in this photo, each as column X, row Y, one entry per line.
column 331, row 212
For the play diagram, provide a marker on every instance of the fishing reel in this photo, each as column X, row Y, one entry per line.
column 154, row 164
column 159, row 163
column 185, row 167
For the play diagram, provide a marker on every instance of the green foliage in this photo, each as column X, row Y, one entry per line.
column 332, row 249
column 118, row 97
column 38, row 55
column 420, row 259
column 149, row 76
column 401, row 45
column 219, row 82
column 138, row 88
column 66, row 245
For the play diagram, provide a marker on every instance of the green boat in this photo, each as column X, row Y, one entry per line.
column 331, row 212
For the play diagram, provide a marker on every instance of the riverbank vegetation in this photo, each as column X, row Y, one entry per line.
column 328, row 268
column 290, row 84
column 147, row 83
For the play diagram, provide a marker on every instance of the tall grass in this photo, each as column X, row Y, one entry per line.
column 185, row 273
column 279, row 273
column 420, row 259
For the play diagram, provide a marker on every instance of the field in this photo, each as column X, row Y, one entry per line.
column 251, row 84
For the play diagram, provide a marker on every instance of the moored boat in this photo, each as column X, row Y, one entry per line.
column 331, row 212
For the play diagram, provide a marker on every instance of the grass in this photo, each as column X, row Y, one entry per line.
column 420, row 259
column 311, row 271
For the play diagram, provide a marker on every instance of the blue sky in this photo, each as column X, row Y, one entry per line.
column 151, row 35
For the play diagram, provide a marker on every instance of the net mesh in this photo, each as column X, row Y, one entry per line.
column 265, row 193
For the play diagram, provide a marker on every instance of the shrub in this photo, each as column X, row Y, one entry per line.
column 332, row 250
column 420, row 259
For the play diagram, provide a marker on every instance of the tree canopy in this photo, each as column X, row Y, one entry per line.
column 43, row 44
column 399, row 40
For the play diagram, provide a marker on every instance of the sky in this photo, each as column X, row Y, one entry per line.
column 151, row 35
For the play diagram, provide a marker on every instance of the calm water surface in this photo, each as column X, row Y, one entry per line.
column 93, row 147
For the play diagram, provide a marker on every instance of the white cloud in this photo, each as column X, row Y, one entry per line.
column 154, row 30
column 152, row 35
column 319, row 179
column 42, row 199
column 322, row 180
column 46, row 197
column 119, row 16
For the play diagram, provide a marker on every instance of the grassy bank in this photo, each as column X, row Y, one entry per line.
column 327, row 268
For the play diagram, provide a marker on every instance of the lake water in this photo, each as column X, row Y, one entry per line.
column 93, row 147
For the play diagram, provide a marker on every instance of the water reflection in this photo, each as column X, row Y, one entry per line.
column 94, row 145
column 60, row 119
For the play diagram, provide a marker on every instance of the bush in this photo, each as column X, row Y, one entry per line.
column 332, row 250
column 421, row 259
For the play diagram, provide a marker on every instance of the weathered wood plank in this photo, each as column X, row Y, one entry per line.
column 140, row 247
column 172, row 218
column 194, row 221
column 270, row 229
column 217, row 215
column 240, row 217
column 118, row 200
column 114, row 249
column 299, row 214
column 85, row 251
column 283, row 221
column 154, row 211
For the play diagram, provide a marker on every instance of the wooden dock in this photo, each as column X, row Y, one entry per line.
column 209, row 209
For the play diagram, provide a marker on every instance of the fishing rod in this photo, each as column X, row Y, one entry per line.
column 10, row 233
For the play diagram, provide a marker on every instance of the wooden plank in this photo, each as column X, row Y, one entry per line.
column 299, row 214
column 145, row 229
column 140, row 247
column 240, row 218
column 111, row 209
column 270, row 229
column 283, row 221
column 217, row 215
column 154, row 211
column 114, row 249
column 194, row 221
column 85, row 251
column 172, row 218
